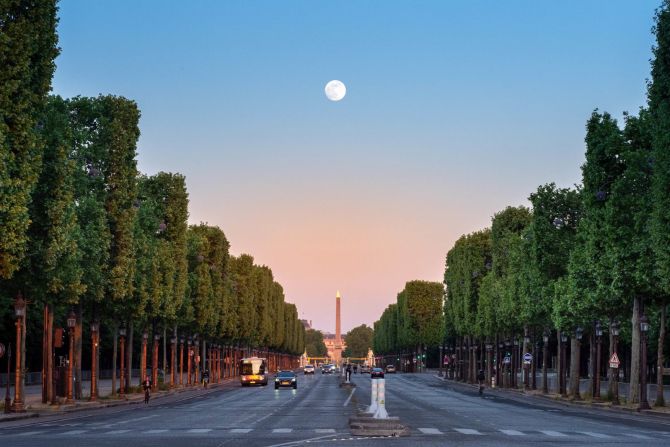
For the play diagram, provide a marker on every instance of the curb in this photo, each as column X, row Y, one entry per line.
column 17, row 416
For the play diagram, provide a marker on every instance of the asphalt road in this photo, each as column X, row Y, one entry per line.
column 317, row 413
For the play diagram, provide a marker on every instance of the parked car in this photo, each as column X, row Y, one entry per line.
column 308, row 369
column 286, row 379
column 377, row 373
column 390, row 369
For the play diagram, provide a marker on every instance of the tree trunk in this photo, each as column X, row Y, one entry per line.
column 22, row 385
column 45, row 355
column 115, row 330
column 78, row 338
column 574, row 368
column 634, row 388
column 129, row 355
column 164, row 353
column 51, row 390
column 660, row 399
column 592, row 363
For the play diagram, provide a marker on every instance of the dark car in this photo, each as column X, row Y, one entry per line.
column 286, row 378
column 390, row 369
column 327, row 369
column 377, row 373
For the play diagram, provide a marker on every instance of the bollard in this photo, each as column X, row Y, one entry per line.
column 381, row 401
column 373, row 397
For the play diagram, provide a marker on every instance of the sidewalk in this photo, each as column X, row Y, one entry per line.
column 35, row 407
column 557, row 398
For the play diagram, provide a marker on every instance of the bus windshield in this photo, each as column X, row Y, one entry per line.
column 252, row 367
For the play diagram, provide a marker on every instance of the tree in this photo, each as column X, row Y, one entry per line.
column 314, row 343
column 359, row 341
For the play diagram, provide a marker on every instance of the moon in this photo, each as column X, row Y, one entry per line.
column 335, row 90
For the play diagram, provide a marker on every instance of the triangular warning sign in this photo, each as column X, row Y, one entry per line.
column 614, row 360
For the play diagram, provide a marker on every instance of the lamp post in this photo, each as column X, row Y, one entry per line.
column 596, row 373
column 489, row 361
column 143, row 360
column 8, row 400
column 95, row 327
column 526, row 367
column 189, row 356
column 196, row 359
column 20, row 313
column 545, row 362
column 181, row 360
column 561, row 380
column 441, row 360
column 122, row 374
column 173, row 348
column 508, row 375
column 579, row 333
column 614, row 327
column 515, row 361
column 71, row 323
column 644, row 328
column 154, row 364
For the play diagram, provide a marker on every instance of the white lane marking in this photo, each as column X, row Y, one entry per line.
column 324, row 430
column 72, row 425
column 512, row 432
column 73, row 432
column 240, row 430
column 154, row 431
column 595, row 435
column 199, row 430
column 28, row 433
column 430, row 431
column 282, row 430
column 116, row 432
column 135, row 419
column 346, row 402
column 467, row 431
column 635, row 435
column 555, row 434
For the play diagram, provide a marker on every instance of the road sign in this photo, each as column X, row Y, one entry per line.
column 527, row 358
column 507, row 360
column 614, row 361
column 2, row 350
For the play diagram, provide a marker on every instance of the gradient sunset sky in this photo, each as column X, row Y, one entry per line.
column 454, row 110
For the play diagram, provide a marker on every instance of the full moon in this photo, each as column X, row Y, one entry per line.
column 335, row 90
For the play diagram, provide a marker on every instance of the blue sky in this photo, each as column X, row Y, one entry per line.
column 454, row 110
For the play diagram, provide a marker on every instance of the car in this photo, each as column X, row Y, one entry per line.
column 377, row 373
column 365, row 369
column 308, row 369
column 390, row 369
column 327, row 369
column 286, row 379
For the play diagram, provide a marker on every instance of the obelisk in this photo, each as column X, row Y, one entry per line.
column 337, row 352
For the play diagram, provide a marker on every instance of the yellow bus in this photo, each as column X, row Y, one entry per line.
column 253, row 371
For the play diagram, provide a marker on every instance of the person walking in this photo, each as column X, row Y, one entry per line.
column 481, row 378
column 146, row 384
column 205, row 378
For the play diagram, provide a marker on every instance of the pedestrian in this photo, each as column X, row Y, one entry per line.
column 146, row 384
column 481, row 378
column 348, row 372
column 205, row 377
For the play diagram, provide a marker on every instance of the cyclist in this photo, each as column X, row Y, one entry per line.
column 146, row 384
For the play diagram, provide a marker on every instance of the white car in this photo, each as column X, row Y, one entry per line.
column 308, row 369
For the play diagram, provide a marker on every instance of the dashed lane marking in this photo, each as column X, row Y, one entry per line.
column 636, row 436
column 282, row 430
column 430, row 431
column 241, row 430
column 154, row 431
column 116, row 432
column 555, row 434
column 73, row 432
column 28, row 433
column 595, row 435
column 199, row 430
column 324, row 430
column 513, row 432
column 467, row 431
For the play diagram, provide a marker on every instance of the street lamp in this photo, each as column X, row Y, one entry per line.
column 196, row 359
column 122, row 341
column 563, row 369
column 441, row 360
column 526, row 366
column 154, row 364
column 20, row 313
column 515, row 361
column 71, row 323
column 173, row 349
column 644, row 328
column 181, row 360
column 545, row 363
column 95, row 327
column 596, row 373
column 189, row 359
column 614, row 328
column 143, row 361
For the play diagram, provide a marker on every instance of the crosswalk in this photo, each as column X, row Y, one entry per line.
column 64, row 431
column 547, row 433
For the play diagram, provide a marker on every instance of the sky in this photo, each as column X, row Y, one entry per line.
column 454, row 110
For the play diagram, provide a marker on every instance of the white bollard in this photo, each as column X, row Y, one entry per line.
column 373, row 397
column 381, row 401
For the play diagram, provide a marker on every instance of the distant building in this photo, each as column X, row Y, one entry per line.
column 334, row 346
column 307, row 324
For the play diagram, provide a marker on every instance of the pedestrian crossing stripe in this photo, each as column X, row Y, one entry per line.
column 467, row 431
column 552, row 433
column 513, row 432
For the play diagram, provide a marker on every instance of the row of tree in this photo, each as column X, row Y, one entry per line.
column 599, row 252
column 83, row 230
column 415, row 321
